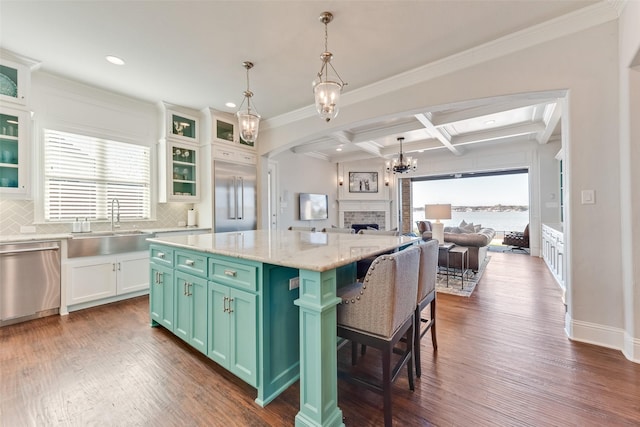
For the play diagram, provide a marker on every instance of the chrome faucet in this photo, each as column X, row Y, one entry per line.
column 117, row 224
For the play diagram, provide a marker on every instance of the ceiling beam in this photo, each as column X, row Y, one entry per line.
column 394, row 129
column 444, row 139
column 498, row 133
column 552, row 115
column 446, row 118
column 412, row 147
column 322, row 144
column 369, row 147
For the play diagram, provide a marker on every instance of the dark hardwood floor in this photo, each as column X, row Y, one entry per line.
column 503, row 360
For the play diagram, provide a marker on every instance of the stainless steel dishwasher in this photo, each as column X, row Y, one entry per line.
column 29, row 280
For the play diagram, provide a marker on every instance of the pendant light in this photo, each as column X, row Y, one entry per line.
column 402, row 164
column 328, row 84
column 249, row 119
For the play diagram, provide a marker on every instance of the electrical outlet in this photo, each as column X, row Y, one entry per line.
column 294, row 283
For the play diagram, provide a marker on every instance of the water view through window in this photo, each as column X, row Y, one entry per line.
column 498, row 201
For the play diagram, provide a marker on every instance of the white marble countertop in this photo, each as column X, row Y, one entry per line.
column 30, row 237
column 314, row 251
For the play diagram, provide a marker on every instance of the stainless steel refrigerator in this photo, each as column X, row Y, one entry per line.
column 235, row 197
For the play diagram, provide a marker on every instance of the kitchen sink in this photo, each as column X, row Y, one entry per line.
column 107, row 243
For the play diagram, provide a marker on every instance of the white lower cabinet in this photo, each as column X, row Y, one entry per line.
column 553, row 251
column 96, row 278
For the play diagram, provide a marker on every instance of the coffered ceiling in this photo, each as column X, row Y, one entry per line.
column 190, row 53
column 453, row 129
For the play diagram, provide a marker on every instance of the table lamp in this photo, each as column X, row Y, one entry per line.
column 437, row 212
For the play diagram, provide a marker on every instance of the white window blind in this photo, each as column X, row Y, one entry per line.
column 84, row 174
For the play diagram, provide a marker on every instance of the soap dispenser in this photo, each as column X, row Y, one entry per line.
column 76, row 226
column 86, row 225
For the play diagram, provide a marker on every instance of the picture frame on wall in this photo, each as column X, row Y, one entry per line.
column 363, row 182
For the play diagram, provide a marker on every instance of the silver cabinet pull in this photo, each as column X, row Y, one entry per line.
column 230, row 273
column 230, row 309
column 113, row 267
column 189, row 262
column 224, row 302
column 184, row 288
column 160, row 255
column 189, row 285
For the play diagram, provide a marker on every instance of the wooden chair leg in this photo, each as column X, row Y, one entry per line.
column 434, row 340
column 416, row 340
column 354, row 353
column 410, row 334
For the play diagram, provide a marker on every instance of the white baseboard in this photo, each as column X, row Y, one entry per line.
column 603, row 336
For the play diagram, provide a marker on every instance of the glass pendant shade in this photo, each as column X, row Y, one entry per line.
column 327, row 96
column 249, row 123
column 249, row 119
column 328, row 84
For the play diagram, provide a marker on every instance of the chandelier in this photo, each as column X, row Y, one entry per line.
column 328, row 84
column 248, row 120
column 402, row 164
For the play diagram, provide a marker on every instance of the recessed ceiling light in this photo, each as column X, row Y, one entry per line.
column 339, row 149
column 489, row 122
column 230, row 104
column 114, row 60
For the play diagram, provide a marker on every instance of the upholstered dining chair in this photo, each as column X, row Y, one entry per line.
column 339, row 230
column 378, row 312
column 302, row 228
column 426, row 295
column 363, row 265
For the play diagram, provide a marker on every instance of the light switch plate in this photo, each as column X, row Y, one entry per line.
column 588, row 197
column 294, row 283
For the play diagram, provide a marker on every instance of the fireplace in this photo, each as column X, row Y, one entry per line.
column 376, row 214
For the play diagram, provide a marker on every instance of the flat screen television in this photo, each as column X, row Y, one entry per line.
column 313, row 206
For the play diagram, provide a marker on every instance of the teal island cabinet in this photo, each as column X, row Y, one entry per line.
column 262, row 304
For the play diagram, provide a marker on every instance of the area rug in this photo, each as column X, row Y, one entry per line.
column 471, row 279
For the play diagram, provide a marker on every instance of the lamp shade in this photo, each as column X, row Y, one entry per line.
column 442, row 211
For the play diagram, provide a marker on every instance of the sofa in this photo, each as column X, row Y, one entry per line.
column 476, row 242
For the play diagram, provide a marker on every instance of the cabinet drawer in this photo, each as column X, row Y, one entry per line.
column 161, row 255
column 234, row 274
column 191, row 263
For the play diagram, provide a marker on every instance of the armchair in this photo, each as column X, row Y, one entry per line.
column 517, row 239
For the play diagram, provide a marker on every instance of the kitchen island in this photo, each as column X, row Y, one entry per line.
column 235, row 297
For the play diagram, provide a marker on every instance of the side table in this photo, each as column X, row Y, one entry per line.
column 446, row 249
column 464, row 260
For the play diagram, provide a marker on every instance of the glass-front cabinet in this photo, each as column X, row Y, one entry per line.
column 13, row 151
column 184, row 172
column 182, row 127
column 179, row 155
column 13, row 82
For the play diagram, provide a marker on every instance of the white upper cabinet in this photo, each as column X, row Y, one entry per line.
column 14, row 159
column 179, row 155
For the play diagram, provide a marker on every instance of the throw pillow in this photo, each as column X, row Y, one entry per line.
column 456, row 230
column 478, row 227
column 469, row 228
column 463, row 223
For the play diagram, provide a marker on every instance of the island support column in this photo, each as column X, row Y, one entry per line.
column 318, row 353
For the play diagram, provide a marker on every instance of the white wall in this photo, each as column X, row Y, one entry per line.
column 304, row 174
column 585, row 64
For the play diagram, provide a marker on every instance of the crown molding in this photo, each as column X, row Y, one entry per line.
column 571, row 23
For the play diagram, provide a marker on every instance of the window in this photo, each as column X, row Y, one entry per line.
column 83, row 174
